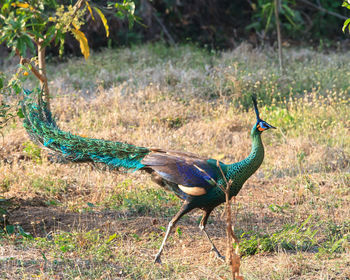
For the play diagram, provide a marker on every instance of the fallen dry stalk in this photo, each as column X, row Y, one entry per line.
column 232, row 257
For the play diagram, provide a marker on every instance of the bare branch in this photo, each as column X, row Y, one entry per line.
column 165, row 30
column 35, row 71
column 160, row 22
column 279, row 36
column 319, row 7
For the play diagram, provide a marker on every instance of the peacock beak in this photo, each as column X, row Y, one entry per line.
column 270, row 126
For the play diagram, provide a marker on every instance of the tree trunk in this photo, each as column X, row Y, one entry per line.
column 42, row 70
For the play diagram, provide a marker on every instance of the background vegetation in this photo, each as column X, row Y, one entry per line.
column 217, row 24
column 224, row 24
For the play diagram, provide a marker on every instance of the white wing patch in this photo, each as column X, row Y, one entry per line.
column 195, row 191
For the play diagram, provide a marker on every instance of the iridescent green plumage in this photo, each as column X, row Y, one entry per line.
column 197, row 181
column 43, row 129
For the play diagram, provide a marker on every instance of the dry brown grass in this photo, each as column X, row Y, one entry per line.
column 305, row 172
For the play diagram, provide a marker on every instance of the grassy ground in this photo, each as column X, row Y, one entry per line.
column 75, row 222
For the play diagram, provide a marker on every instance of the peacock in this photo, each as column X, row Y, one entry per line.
column 195, row 180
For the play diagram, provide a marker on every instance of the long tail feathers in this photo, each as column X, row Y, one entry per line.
column 43, row 130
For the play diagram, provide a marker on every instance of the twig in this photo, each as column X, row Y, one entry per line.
column 170, row 38
column 279, row 36
column 323, row 9
column 250, row 3
column 233, row 258
column 165, row 30
column 3, row 140
column 35, row 71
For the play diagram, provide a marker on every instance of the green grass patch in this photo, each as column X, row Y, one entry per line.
column 325, row 239
column 145, row 201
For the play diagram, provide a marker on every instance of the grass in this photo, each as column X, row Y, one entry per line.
column 292, row 216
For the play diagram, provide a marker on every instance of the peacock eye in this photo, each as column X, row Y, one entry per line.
column 263, row 125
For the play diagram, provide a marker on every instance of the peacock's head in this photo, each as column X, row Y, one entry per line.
column 260, row 125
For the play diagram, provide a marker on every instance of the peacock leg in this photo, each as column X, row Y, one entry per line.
column 183, row 210
column 202, row 225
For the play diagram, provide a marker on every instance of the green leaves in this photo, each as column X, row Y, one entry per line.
column 13, row 32
column 24, row 25
column 10, row 86
column 112, row 237
column 5, row 114
column 17, row 230
column 263, row 16
column 179, row 231
column 346, row 4
column 126, row 8
column 34, row 25
column 21, row 25
column 346, row 24
column 20, row 113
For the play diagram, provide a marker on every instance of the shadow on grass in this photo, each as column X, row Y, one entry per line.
column 39, row 219
column 42, row 220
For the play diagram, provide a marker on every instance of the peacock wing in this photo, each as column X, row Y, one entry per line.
column 194, row 175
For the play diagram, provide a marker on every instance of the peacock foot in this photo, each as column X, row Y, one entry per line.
column 157, row 259
column 217, row 254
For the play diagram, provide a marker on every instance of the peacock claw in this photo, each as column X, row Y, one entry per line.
column 217, row 254
column 157, row 259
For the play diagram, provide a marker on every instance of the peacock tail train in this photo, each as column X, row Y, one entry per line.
column 42, row 129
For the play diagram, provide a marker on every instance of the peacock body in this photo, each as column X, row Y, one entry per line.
column 195, row 180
